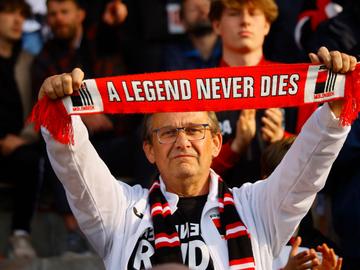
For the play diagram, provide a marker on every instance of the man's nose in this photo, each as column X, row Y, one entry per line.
column 182, row 139
column 244, row 17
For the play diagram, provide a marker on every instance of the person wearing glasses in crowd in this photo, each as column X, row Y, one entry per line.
column 189, row 216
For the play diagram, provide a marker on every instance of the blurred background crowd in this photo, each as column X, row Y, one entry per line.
column 40, row 38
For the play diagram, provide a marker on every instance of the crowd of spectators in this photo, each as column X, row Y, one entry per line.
column 113, row 37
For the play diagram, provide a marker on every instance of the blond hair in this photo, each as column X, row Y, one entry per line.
column 269, row 8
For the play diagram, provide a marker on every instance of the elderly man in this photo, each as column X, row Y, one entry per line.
column 189, row 215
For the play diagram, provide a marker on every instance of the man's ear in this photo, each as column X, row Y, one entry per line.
column 217, row 144
column 267, row 27
column 216, row 26
column 149, row 151
column 81, row 15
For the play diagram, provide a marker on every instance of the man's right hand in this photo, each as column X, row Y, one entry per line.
column 65, row 84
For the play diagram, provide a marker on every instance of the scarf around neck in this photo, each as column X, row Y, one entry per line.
column 167, row 241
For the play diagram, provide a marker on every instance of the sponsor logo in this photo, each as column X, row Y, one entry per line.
column 82, row 100
column 325, row 83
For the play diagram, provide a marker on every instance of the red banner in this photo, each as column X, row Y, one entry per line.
column 228, row 88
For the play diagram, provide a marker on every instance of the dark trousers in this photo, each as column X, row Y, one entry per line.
column 22, row 168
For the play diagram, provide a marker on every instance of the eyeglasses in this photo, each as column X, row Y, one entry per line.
column 168, row 135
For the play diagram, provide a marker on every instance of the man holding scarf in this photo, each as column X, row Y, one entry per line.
column 189, row 216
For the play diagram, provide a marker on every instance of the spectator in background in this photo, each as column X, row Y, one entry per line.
column 202, row 48
column 19, row 151
column 242, row 26
column 34, row 27
column 279, row 44
column 313, row 13
column 97, row 51
column 340, row 32
column 150, row 26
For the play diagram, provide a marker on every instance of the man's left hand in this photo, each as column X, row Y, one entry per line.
column 337, row 62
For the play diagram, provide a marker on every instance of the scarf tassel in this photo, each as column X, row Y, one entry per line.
column 52, row 115
column 351, row 106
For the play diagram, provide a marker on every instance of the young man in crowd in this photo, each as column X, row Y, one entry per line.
column 97, row 51
column 202, row 46
column 19, row 152
column 243, row 26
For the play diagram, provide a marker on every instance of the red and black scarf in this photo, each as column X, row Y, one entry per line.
column 216, row 89
column 167, row 241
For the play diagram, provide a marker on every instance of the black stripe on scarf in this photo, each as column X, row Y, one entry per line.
column 167, row 241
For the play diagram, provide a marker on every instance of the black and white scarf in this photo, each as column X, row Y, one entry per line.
column 167, row 241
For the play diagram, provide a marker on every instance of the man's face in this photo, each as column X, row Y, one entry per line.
column 65, row 19
column 182, row 159
column 11, row 24
column 195, row 15
column 242, row 30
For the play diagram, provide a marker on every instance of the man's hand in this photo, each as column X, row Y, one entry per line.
column 303, row 260
column 245, row 130
column 10, row 143
column 58, row 86
column 329, row 259
column 337, row 62
column 115, row 13
column 272, row 129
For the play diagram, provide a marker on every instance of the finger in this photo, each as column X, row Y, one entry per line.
column 67, row 83
column 314, row 58
column 267, row 134
column 295, row 246
column 77, row 76
column 339, row 264
column 275, row 115
column 308, row 265
column 336, row 61
column 47, row 89
column 57, row 86
column 269, row 124
column 345, row 63
column 353, row 62
column 310, row 255
column 325, row 57
column 332, row 257
column 248, row 114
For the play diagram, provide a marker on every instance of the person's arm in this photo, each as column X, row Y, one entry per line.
column 279, row 203
column 98, row 200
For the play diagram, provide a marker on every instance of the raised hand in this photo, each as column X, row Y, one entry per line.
column 303, row 260
column 272, row 129
column 58, row 86
column 337, row 62
column 245, row 130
